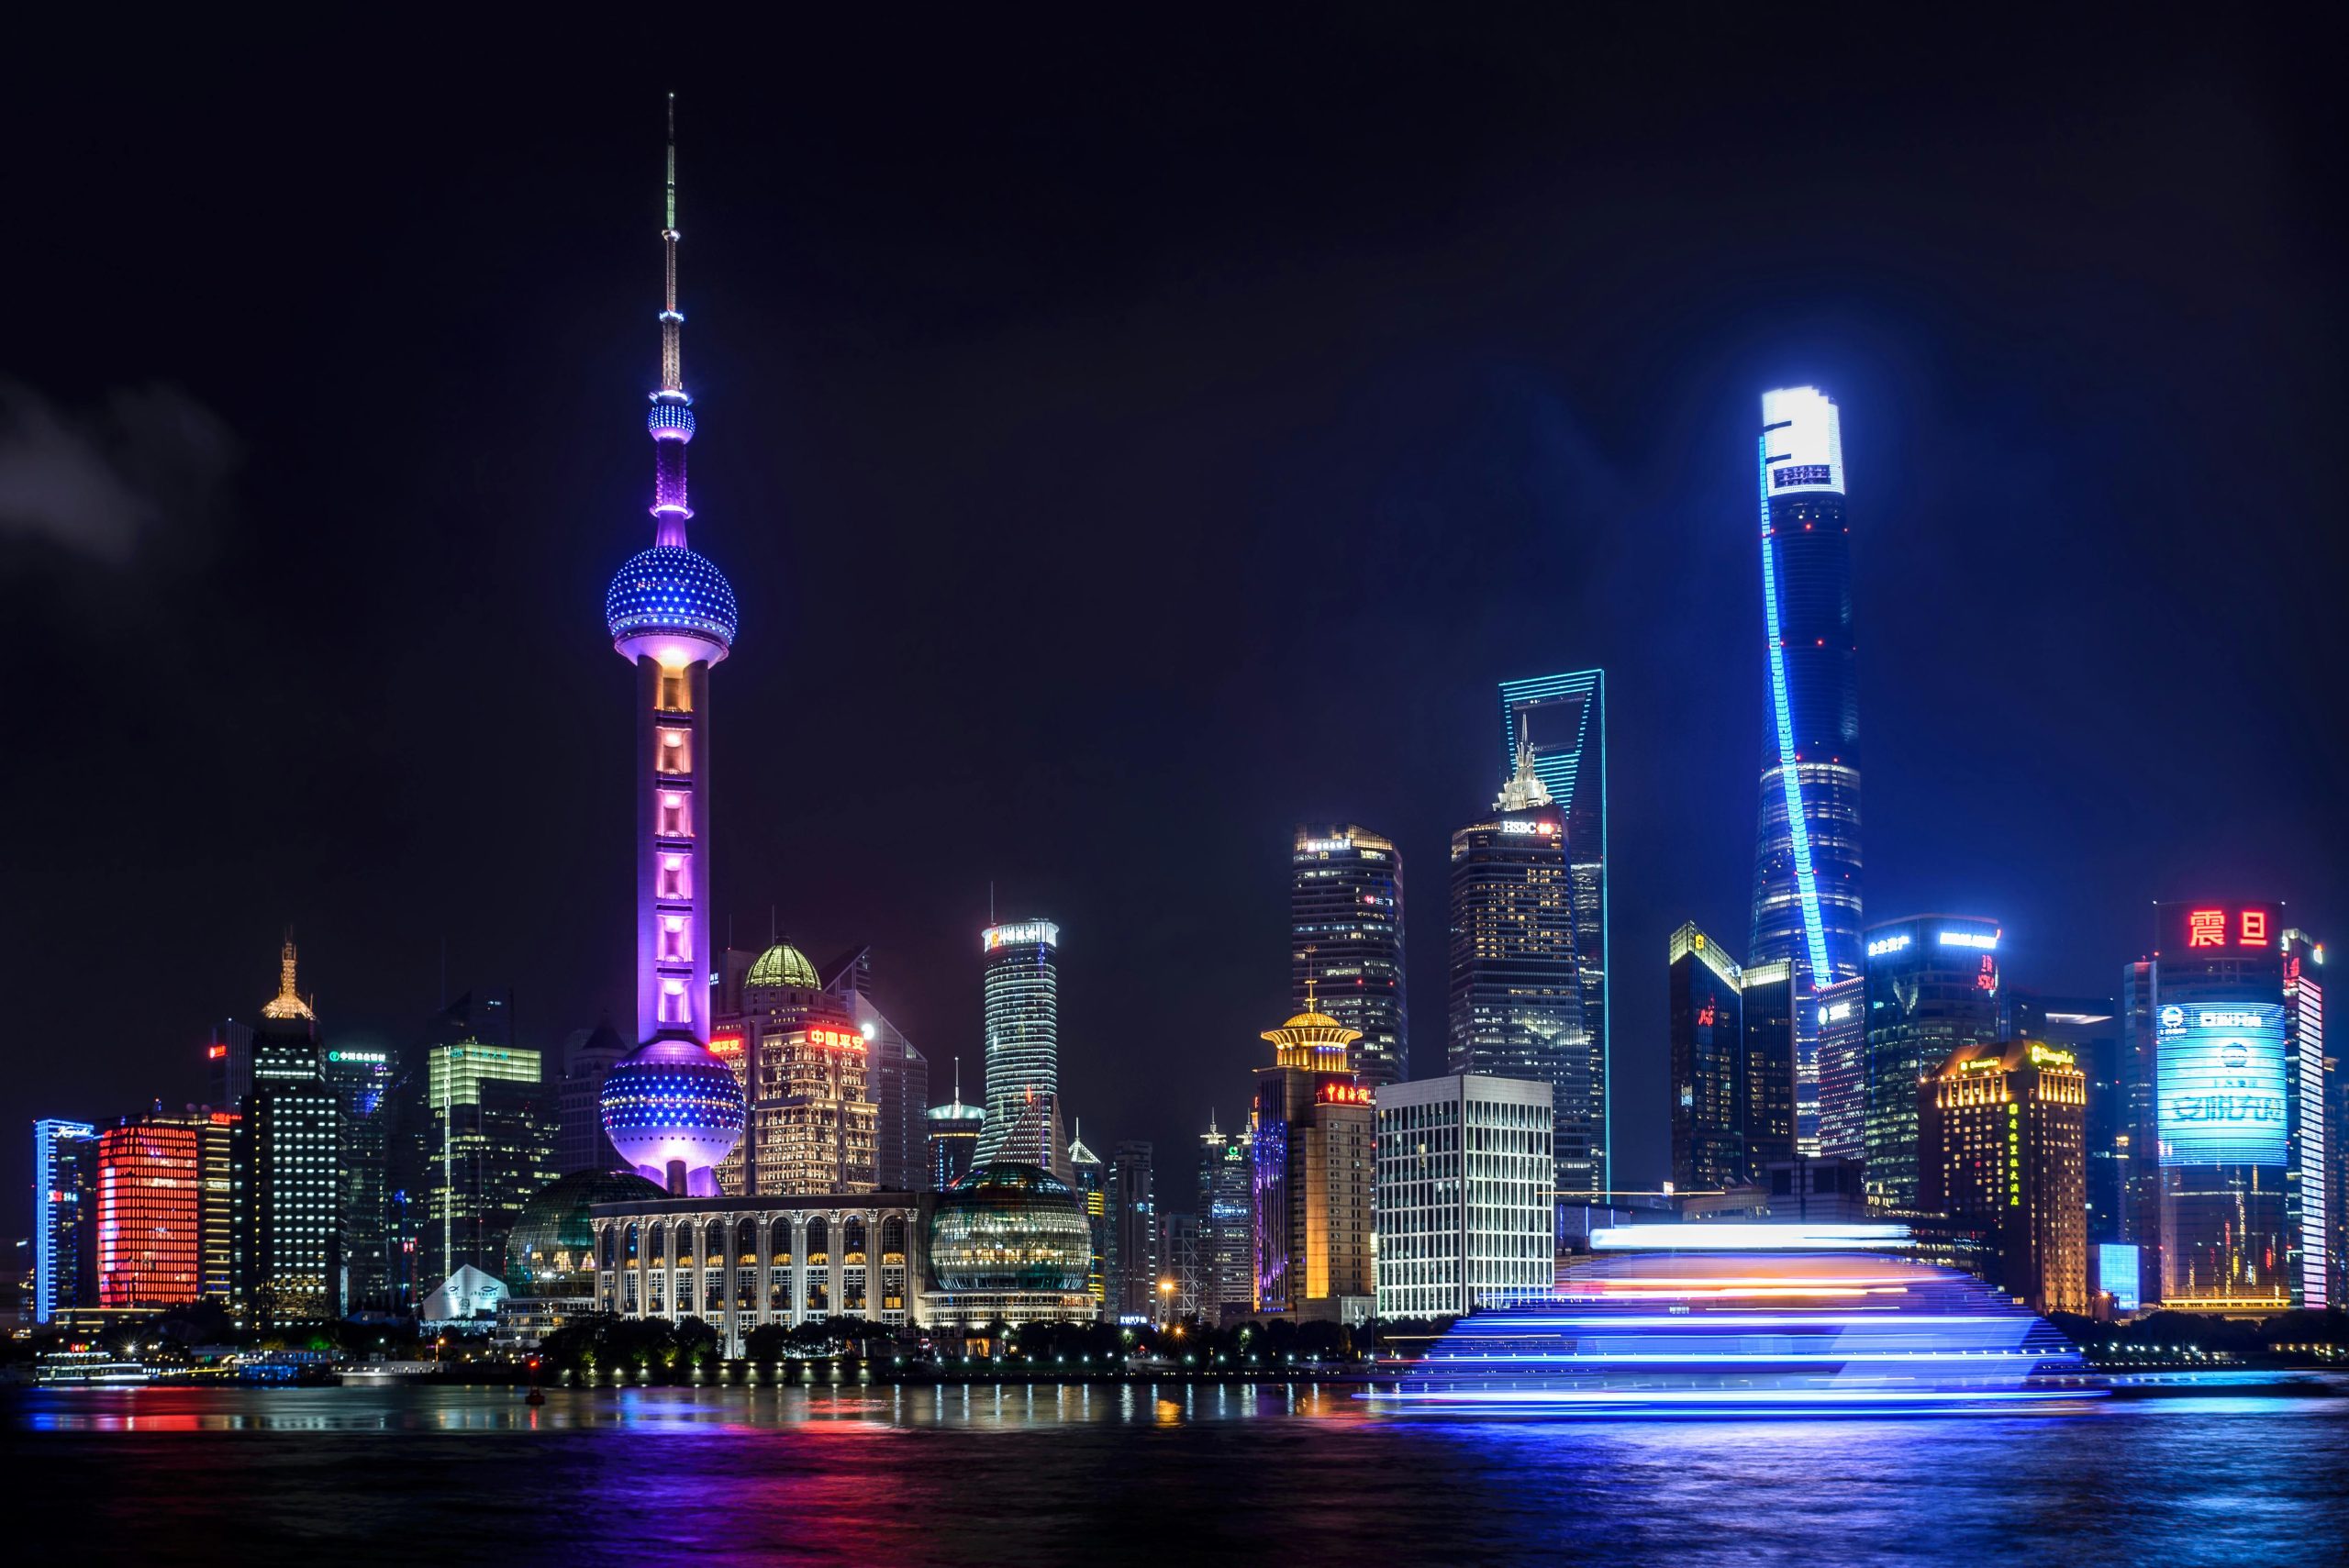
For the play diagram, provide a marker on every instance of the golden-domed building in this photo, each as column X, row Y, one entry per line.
column 1312, row 1152
column 804, row 1064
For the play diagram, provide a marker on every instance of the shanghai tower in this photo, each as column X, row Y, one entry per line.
column 1806, row 856
column 674, row 1110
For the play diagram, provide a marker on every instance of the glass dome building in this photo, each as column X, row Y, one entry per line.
column 550, row 1253
column 1009, row 1242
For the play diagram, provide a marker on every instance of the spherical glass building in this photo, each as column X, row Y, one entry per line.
column 672, row 1107
column 550, row 1253
column 1009, row 1228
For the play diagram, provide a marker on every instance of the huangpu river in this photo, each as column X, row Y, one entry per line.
column 1109, row 1473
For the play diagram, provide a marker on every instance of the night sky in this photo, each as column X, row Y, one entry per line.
column 1123, row 448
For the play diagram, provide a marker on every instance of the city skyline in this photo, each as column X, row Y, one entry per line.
column 357, row 846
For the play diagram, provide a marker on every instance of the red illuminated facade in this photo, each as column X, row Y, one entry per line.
column 150, row 1213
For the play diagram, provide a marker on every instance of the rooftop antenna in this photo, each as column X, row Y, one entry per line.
column 1309, row 950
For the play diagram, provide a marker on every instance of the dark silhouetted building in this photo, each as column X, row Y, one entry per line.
column 2089, row 1027
column 951, row 1138
column 581, row 1144
column 1708, row 1045
column 897, row 1079
column 229, row 1063
column 1769, row 1005
column 1091, row 1188
column 1182, row 1265
column 1133, row 1261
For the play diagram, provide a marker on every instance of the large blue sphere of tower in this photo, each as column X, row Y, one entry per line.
column 674, row 1110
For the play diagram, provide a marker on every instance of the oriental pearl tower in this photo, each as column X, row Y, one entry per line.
column 674, row 1110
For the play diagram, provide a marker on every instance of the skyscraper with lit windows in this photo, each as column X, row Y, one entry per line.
column 151, row 1212
column 2002, row 1146
column 1562, row 720
column 1312, row 1176
column 65, row 1189
column 1226, row 1241
column 806, row 1067
column 289, row 1156
column 363, row 1079
column 1019, row 991
column 1346, row 938
column 1806, row 854
column 2307, row 1185
column 1931, row 989
column 2215, row 1152
column 674, row 1111
column 1516, row 992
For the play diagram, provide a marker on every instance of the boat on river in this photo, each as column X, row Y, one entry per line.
column 1749, row 1320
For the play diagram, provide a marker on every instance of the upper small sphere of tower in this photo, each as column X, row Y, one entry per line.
column 670, row 588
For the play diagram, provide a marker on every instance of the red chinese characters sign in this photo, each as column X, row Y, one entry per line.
column 2219, row 928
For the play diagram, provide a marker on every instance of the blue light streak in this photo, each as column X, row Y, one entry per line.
column 1941, row 1342
column 1799, row 831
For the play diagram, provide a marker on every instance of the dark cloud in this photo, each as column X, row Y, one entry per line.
column 102, row 483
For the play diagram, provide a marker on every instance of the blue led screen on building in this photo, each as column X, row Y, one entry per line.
column 2116, row 1271
column 2219, row 1069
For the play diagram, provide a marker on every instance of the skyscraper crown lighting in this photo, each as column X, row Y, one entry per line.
column 287, row 1003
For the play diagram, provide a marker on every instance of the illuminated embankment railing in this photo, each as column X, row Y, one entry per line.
column 1675, row 1318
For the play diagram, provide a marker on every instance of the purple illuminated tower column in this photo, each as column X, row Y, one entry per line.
column 673, row 1109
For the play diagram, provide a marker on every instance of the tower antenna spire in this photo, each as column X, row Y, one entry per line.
column 671, row 422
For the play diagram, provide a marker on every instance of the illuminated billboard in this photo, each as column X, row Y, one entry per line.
column 2220, row 1072
column 1040, row 932
column 2195, row 930
column 2116, row 1272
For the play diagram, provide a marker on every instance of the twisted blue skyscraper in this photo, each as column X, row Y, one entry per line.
column 1806, row 857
